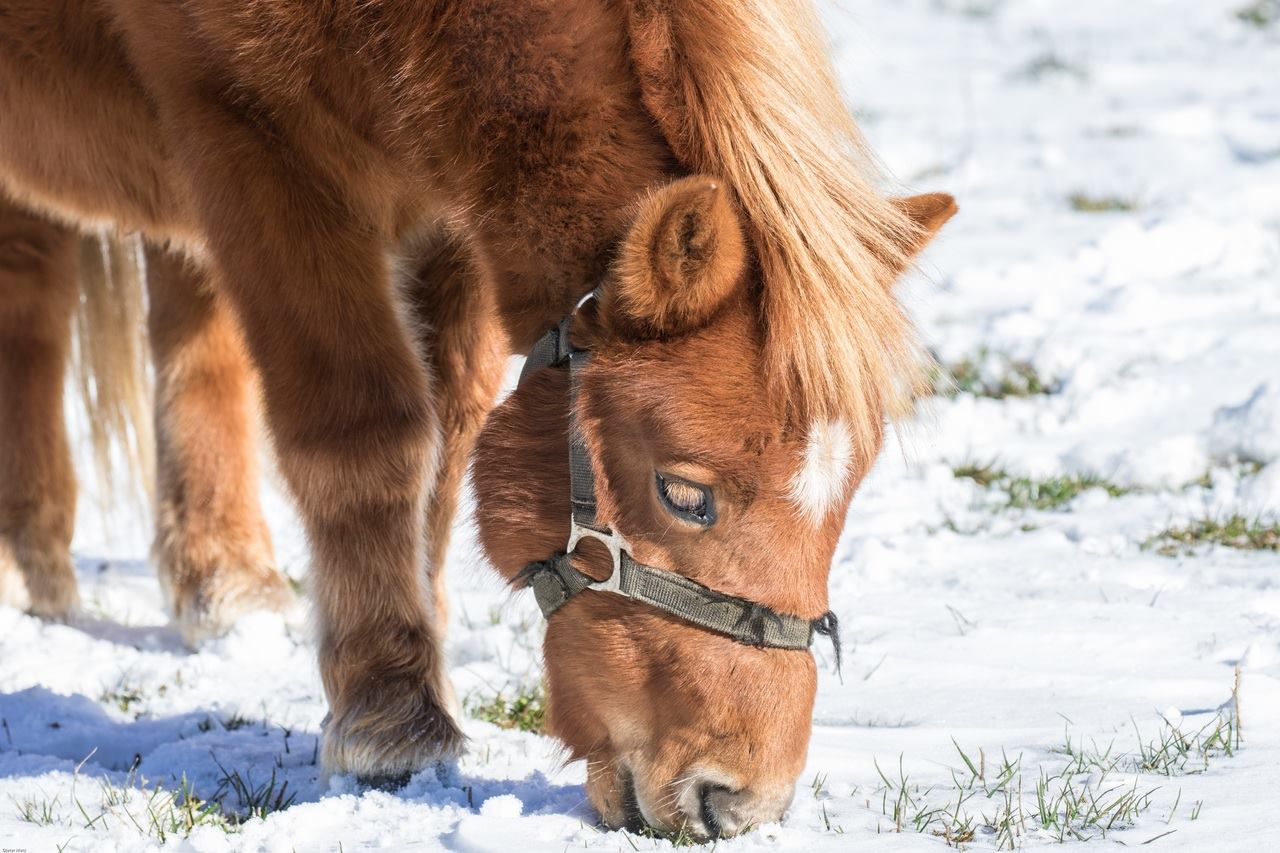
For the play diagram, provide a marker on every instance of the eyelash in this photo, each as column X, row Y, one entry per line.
column 703, row 514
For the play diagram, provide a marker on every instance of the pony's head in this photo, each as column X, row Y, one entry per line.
column 707, row 473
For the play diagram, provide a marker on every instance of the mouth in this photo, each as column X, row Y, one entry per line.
column 633, row 818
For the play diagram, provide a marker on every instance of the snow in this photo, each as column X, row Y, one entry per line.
column 966, row 623
column 1250, row 430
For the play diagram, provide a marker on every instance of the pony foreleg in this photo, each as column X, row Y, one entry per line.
column 349, row 406
column 467, row 351
column 212, row 548
column 348, row 401
column 37, row 482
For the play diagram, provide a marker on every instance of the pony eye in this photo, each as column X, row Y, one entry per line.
column 686, row 500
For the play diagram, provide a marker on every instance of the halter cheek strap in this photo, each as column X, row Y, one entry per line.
column 555, row 580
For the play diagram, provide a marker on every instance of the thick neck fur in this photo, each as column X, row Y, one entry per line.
column 517, row 123
column 549, row 149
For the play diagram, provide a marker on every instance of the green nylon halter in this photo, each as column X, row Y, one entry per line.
column 555, row 580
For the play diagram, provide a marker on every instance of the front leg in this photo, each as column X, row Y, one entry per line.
column 467, row 350
column 347, row 400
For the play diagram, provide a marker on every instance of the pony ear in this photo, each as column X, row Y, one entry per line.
column 682, row 258
column 929, row 212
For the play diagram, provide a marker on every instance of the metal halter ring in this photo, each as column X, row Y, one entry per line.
column 611, row 540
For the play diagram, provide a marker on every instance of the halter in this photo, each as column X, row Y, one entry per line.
column 555, row 580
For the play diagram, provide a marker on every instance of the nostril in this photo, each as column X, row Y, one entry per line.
column 712, row 800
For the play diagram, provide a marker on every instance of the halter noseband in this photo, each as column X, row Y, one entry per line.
column 555, row 580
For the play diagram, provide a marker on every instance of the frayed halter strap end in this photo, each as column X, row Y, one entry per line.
column 829, row 626
column 553, row 581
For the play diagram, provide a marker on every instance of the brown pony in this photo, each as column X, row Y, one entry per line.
column 382, row 200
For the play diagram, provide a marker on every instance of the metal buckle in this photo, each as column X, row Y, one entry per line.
column 563, row 348
column 613, row 541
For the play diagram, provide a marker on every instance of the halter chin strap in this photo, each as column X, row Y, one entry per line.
column 555, row 580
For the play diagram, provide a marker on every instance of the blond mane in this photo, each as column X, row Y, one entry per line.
column 744, row 89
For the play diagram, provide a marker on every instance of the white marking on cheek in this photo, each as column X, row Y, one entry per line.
column 824, row 470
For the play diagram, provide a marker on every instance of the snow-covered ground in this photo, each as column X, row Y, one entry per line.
column 1056, row 639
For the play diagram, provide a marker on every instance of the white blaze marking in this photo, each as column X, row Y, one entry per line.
column 820, row 482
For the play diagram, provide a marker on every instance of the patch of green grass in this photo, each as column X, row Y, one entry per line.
column 993, row 375
column 1236, row 466
column 1085, row 203
column 230, row 724
column 253, row 800
column 236, row 722
column 41, row 810
column 1073, row 807
column 525, row 711
column 1248, row 467
column 1090, row 792
column 156, row 812
column 1179, row 753
column 986, row 475
column 1234, row 531
column 1260, row 13
column 177, row 814
column 160, row 813
column 1031, row 493
column 1204, row 481
column 680, row 838
column 913, row 807
column 125, row 695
